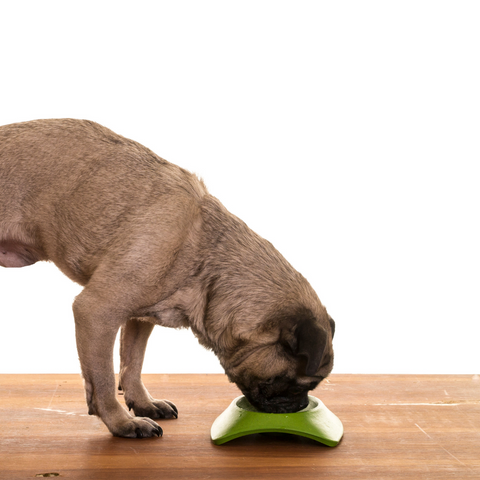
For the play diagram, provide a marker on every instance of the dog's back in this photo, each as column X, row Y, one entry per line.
column 67, row 187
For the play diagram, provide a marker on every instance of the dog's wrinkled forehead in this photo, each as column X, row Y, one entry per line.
column 290, row 347
column 265, row 362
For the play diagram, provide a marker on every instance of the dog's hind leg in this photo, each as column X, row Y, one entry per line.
column 133, row 342
column 96, row 324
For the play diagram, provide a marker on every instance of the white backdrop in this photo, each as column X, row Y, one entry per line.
column 346, row 133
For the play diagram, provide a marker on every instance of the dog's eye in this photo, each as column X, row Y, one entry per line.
column 273, row 386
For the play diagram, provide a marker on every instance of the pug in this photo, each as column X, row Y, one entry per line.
column 151, row 246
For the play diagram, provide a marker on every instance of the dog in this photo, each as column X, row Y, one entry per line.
column 151, row 246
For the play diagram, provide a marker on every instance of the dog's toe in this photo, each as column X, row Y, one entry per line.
column 173, row 406
column 165, row 409
column 156, row 409
column 138, row 428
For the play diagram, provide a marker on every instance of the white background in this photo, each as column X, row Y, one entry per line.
column 346, row 133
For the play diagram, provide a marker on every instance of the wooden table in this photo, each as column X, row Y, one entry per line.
column 396, row 427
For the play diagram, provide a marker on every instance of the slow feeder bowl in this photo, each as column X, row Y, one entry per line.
column 315, row 421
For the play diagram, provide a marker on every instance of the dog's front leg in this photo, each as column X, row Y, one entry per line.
column 96, row 326
column 133, row 342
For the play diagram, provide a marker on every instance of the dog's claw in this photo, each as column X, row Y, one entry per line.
column 157, row 432
column 139, row 428
column 163, row 413
column 155, row 409
column 174, row 408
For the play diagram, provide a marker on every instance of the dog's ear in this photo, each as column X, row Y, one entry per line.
column 332, row 325
column 308, row 340
column 311, row 342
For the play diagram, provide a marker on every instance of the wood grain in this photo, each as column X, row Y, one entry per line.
column 396, row 427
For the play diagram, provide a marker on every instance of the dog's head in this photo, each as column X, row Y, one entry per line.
column 288, row 356
column 262, row 318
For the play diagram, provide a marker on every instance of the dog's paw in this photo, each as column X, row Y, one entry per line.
column 154, row 409
column 137, row 427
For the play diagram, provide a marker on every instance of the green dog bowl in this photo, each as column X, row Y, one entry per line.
column 315, row 421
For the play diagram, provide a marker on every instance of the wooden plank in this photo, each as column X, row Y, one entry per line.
column 396, row 427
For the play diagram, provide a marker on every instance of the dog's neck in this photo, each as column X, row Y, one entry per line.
column 221, row 263
column 235, row 262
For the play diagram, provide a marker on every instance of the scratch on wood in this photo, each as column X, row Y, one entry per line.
column 445, row 403
column 51, row 400
column 51, row 410
column 453, row 456
column 61, row 411
column 421, row 429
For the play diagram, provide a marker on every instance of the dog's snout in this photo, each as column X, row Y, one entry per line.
column 279, row 404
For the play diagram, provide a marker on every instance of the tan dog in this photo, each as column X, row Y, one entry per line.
column 151, row 246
